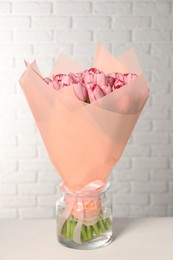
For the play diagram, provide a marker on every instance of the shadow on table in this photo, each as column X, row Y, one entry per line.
column 121, row 226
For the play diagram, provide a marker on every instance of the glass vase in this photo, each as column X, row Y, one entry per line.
column 84, row 219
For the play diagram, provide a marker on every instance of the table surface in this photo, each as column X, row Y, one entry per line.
column 135, row 239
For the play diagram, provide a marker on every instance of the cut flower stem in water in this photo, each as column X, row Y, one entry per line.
column 87, row 232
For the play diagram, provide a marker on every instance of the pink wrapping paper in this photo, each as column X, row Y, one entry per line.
column 84, row 141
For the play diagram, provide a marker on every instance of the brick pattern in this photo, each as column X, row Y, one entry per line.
column 143, row 178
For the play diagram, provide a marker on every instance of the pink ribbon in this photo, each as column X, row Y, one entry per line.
column 89, row 189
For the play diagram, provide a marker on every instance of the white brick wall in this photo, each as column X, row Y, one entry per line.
column 143, row 179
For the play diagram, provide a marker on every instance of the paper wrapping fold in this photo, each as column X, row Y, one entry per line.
column 84, row 141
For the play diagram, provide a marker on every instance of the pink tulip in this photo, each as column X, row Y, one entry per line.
column 66, row 79
column 110, row 80
column 77, row 77
column 106, row 89
column 117, row 84
column 52, row 83
column 128, row 77
column 62, row 80
column 94, row 92
column 115, row 80
column 101, row 79
column 122, row 79
column 90, row 76
column 119, row 76
column 80, row 91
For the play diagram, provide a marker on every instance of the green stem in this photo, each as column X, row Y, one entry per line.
column 96, row 229
column 101, row 225
column 84, row 234
column 106, row 224
column 89, row 233
column 109, row 221
column 72, row 227
column 68, row 229
column 87, row 100
column 63, row 231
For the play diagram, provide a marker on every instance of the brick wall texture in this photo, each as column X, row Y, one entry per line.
column 142, row 181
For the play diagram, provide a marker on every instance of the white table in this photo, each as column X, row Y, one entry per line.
column 136, row 239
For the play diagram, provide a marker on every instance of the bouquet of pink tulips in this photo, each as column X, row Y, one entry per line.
column 90, row 85
column 85, row 118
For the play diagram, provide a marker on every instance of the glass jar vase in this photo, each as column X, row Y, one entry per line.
column 84, row 218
